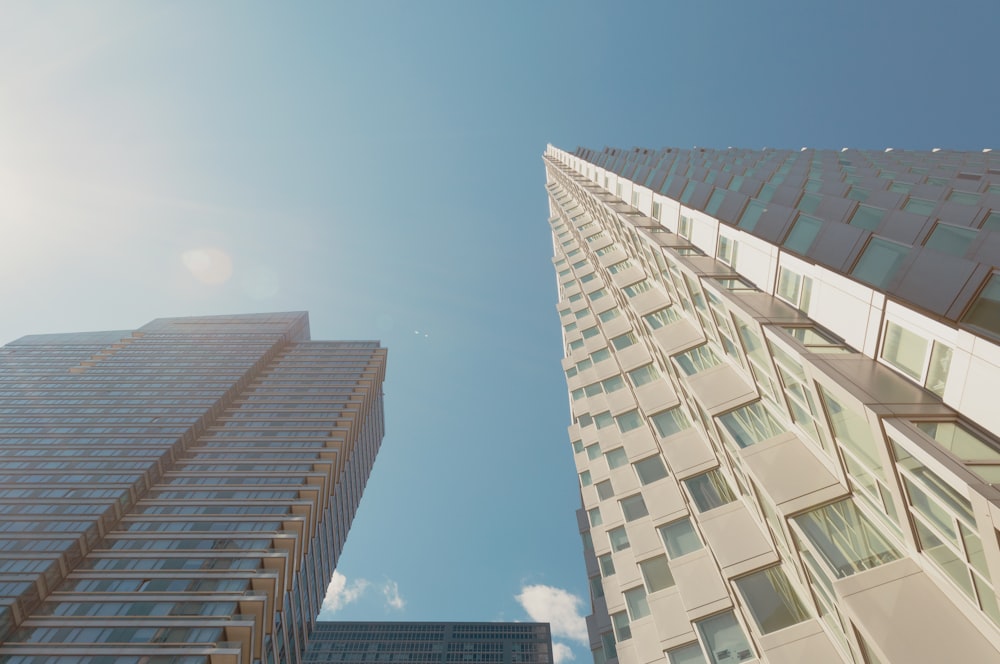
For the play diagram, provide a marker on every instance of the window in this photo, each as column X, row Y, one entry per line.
column 609, row 315
column 655, row 213
column 919, row 206
column 624, row 341
column 616, row 458
column 727, row 250
column 815, row 339
column 963, row 197
column 650, row 470
column 661, row 318
column 709, row 490
column 845, row 539
column 946, row 530
column 735, row 284
column 635, row 601
column 596, row 587
column 593, row 451
column 595, row 516
column 638, row 287
column 803, row 233
column 751, row 215
column 867, row 217
column 684, row 226
column 880, row 261
column 724, row 639
column 715, row 201
column 620, row 622
column 577, row 446
column 634, row 507
column 643, row 375
column 669, row 422
column 612, row 384
column 697, row 360
column 605, row 490
column 618, row 538
column 689, row 654
column 924, row 361
column 607, row 565
column 751, row 424
column 680, row 538
column 600, row 355
column 980, row 454
column 656, row 574
column 603, row 419
column 590, row 332
column 771, row 599
column 585, row 478
column 951, row 239
column 629, row 421
column 984, row 314
column 794, row 289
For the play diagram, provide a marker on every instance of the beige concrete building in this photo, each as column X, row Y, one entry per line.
column 178, row 493
column 784, row 379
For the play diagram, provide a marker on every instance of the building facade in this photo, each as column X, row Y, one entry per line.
column 783, row 371
column 181, row 492
column 430, row 643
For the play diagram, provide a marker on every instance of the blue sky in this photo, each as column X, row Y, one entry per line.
column 379, row 164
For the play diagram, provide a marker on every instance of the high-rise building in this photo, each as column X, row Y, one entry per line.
column 430, row 643
column 784, row 372
column 178, row 493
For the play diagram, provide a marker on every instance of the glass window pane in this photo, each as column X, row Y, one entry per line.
column 803, row 233
column 607, row 565
column 670, row 422
column 751, row 215
column 593, row 451
column 960, row 441
column 635, row 601
column 788, row 286
column 629, row 421
column 904, row 350
column 867, row 217
column 846, row 539
column 619, row 538
column 605, row 490
column 919, row 206
column 643, row 375
column 680, row 538
column 689, row 654
column 617, row 457
column 650, row 470
column 656, row 573
column 985, row 310
column 724, row 639
column 709, row 490
column 771, row 600
column 751, row 424
column 634, row 507
column 880, row 261
column 951, row 239
column 937, row 372
column 622, row 630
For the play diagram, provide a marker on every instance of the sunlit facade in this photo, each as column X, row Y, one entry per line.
column 430, row 643
column 783, row 371
column 178, row 493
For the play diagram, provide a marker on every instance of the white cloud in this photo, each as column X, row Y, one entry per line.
column 557, row 607
column 392, row 597
column 339, row 593
column 562, row 653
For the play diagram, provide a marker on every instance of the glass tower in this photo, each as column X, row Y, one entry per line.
column 783, row 369
column 181, row 492
column 430, row 643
